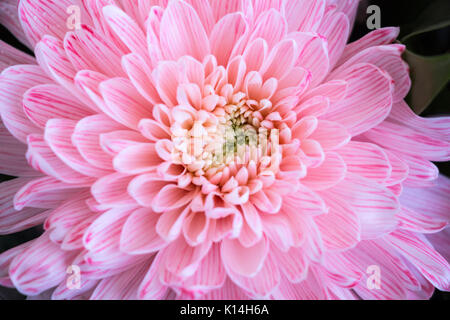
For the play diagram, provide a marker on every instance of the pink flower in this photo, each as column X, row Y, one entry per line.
column 217, row 150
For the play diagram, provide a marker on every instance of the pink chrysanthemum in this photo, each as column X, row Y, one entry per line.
column 121, row 132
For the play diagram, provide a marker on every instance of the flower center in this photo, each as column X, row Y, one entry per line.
column 234, row 131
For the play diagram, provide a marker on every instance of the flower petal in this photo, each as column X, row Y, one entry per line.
column 182, row 32
column 44, row 102
column 232, row 252
column 222, row 40
column 40, row 266
column 123, row 102
column 420, row 252
column 368, row 101
column 139, row 234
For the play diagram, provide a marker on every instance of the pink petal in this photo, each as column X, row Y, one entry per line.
column 154, row 130
column 338, row 139
column 279, row 230
column 304, row 15
column 431, row 201
column 269, row 202
column 421, row 172
column 12, row 56
column 395, row 275
column 171, row 197
column 111, row 190
column 140, row 76
column 437, row 127
column 387, row 58
column 145, row 187
column 58, row 135
column 123, row 102
column 67, row 216
column 182, row 33
column 305, row 201
column 139, row 234
column 334, row 90
column 9, row 18
column 399, row 170
column 87, row 49
column 340, row 271
column 6, row 258
column 403, row 139
column 420, row 252
column 15, row 81
column 12, row 220
column 166, row 77
column 375, row 205
column 314, row 107
column 136, row 159
column 292, row 263
column 205, row 13
column 126, row 29
column 440, row 242
column 196, row 228
column 339, row 228
column 44, row 193
column 221, row 8
column 52, row 58
column 259, row 7
column 117, row 141
column 12, row 158
column 209, row 275
column 44, row 102
column 270, row 26
column 367, row 160
column 123, row 286
column 255, row 54
column 232, row 252
column 336, row 29
column 102, row 240
column 88, row 82
column 40, row 266
column 285, row 51
column 225, row 35
column 328, row 174
column 420, row 222
column 151, row 287
column 368, row 101
column 229, row 291
column 45, row 18
column 252, row 218
column 262, row 283
column 375, row 38
column 308, row 289
column 86, row 138
column 183, row 260
column 313, row 55
column 170, row 223
column 43, row 159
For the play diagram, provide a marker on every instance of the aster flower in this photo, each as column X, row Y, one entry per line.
column 209, row 149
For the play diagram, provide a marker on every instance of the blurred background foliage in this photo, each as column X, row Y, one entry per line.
column 425, row 30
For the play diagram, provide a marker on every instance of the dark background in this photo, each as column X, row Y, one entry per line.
column 403, row 13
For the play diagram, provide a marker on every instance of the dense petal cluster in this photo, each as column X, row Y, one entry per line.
column 209, row 149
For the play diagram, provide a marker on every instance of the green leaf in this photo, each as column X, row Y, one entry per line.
column 429, row 76
column 435, row 16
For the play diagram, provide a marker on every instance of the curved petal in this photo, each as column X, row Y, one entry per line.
column 232, row 252
column 139, row 234
column 182, row 32
column 222, row 40
column 368, row 101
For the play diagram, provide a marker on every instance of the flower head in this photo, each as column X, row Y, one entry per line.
column 218, row 150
